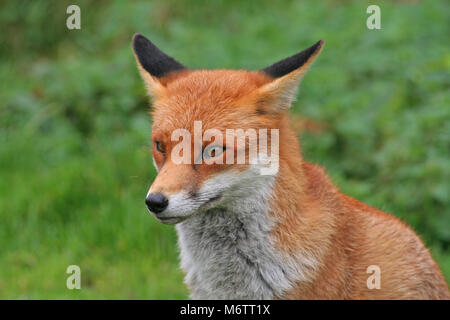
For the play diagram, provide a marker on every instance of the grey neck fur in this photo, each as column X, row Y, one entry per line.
column 228, row 253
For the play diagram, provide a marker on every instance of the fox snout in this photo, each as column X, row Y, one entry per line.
column 169, row 197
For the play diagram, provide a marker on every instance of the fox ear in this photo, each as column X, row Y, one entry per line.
column 278, row 94
column 153, row 64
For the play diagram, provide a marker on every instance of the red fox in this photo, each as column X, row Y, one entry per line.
column 247, row 235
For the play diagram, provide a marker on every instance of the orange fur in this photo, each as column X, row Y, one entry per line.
column 347, row 236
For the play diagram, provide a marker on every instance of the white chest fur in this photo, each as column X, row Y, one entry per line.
column 229, row 254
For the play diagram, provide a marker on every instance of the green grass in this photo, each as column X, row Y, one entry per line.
column 75, row 161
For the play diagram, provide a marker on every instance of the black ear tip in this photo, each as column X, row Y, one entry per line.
column 288, row 65
column 320, row 43
column 139, row 37
column 139, row 41
column 152, row 59
column 136, row 35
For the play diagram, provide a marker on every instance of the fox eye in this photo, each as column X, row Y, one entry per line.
column 160, row 147
column 213, row 151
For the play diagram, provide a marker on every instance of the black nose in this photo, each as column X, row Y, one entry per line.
column 156, row 202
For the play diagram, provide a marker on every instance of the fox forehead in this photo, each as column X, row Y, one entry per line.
column 215, row 84
column 216, row 97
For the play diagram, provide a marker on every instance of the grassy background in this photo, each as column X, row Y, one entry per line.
column 75, row 160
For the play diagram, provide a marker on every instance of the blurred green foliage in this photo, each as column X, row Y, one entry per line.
column 75, row 160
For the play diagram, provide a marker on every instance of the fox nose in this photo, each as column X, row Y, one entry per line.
column 156, row 202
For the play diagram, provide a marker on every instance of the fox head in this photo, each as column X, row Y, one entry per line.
column 205, row 123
